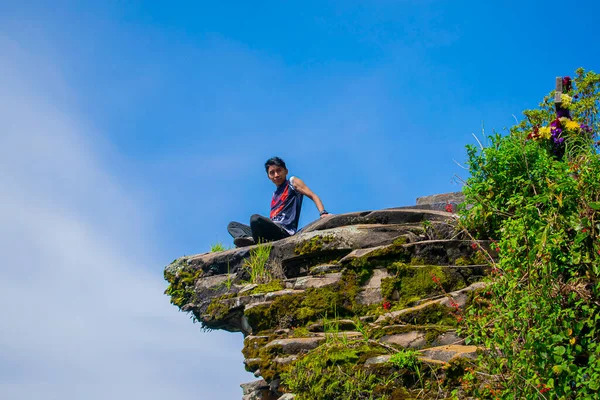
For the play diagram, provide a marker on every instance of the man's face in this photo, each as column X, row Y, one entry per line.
column 277, row 174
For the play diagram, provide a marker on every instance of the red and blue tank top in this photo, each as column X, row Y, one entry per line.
column 286, row 205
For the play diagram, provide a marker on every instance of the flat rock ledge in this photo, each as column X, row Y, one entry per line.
column 436, row 355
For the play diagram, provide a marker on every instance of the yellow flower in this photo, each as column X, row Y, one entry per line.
column 565, row 100
column 571, row 125
column 544, row 132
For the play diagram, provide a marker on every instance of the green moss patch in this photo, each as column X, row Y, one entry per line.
column 312, row 245
column 310, row 305
column 301, row 332
column 417, row 283
column 391, row 253
column 477, row 258
column 255, row 349
column 383, row 257
column 332, row 371
column 435, row 313
column 412, row 283
column 272, row 286
column 337, row 371
column 217, row 310
column 182, row 280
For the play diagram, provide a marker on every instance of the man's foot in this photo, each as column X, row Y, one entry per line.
column 244, row 241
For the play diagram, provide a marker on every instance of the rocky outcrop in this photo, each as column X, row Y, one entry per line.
column 368, row 285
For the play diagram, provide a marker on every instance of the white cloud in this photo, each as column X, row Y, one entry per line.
column 83, row 315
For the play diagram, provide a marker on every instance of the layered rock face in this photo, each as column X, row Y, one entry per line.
column 358, row 305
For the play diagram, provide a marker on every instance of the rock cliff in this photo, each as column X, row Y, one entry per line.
column 358, row 305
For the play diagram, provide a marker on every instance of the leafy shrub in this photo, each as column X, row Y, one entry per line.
column 539, row 197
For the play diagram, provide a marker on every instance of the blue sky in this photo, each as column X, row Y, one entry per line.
column 131, row 134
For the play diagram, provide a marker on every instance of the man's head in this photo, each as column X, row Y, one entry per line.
column 276, row 170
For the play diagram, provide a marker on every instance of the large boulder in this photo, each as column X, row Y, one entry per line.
column 362, row 285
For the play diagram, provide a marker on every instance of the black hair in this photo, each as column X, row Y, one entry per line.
column 274, row 161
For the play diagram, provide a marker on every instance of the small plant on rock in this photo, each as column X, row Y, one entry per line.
column 256, row 264
column 217, row 247
column 362, row 328
column 407, row 359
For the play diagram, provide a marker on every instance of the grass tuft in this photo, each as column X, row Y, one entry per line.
column 256, row 264
column 217, row 247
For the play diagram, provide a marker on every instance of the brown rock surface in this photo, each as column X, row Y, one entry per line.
column 450, row 352
column 296, row 345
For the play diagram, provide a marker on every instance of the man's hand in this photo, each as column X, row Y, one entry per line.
column 325, row 215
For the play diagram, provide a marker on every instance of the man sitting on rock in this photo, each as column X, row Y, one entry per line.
column 285, row 209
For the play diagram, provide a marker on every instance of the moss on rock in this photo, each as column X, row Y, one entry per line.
column 388, row 286
column 217, row 310
column 412, row 283
column 435, row 313
column 336, row 371
column 313, row 245
column 255, row 349
column 182, row 279
column 310, row 305
column 272, row 286
column 384, row 255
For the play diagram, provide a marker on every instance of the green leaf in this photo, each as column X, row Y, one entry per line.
column 557, row 338
column 557, row 369
column 559, row 350
column 595, row 205
column 580, row 237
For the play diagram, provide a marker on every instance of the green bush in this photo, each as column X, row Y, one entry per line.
column 539, row 199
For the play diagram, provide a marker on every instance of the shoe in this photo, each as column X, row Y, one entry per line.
column 244, row 241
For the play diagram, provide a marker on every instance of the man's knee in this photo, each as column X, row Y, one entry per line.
column 255, row 219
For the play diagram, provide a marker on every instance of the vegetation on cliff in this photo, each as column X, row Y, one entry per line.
column 368, row 308
column 537, row 192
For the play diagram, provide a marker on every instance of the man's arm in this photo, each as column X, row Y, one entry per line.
column 305, row 190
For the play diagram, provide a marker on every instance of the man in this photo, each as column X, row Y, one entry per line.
column 286, row 205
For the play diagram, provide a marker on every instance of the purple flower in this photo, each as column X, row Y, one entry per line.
column 555, row 132
column 566, row 82
column 586, row 128
column 555, row 124
column 562, row 112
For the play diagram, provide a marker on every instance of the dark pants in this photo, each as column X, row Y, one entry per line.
column 261, row 229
